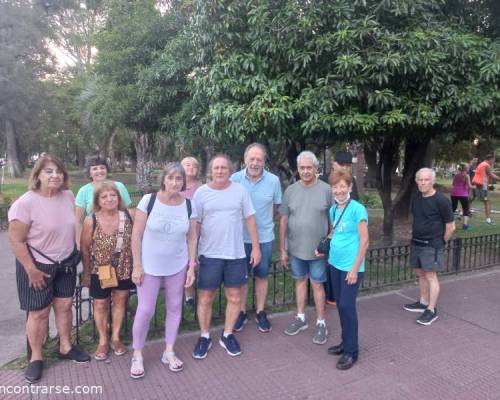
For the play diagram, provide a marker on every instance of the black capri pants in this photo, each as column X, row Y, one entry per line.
column 62, row 283
column 464, row 201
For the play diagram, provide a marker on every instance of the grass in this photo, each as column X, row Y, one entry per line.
column 12, row 188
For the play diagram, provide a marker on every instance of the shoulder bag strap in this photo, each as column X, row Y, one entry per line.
column 39, row 252
column 151, row 203
column 121, row 232
column 340, row 217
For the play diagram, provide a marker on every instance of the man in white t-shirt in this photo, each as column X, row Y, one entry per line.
column 219, row 208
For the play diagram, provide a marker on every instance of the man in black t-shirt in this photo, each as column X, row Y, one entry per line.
column 433, row 225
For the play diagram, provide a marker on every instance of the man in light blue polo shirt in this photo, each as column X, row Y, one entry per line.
column 265, row 192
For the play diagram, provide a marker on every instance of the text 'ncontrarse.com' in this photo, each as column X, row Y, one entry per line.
column 50, row 389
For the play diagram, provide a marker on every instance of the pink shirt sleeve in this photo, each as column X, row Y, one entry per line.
column 21, row 210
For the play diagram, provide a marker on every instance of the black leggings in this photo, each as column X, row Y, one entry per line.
column 464, row 201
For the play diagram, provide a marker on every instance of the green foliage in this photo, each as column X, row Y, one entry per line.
column 347, row 69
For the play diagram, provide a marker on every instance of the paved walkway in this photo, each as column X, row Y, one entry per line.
column 458, row 357
column 12, row 319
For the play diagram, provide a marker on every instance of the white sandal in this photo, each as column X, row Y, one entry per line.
column 176, row 365
column 137, row 367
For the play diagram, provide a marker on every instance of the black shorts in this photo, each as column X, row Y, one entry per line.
column 427, row 257
column 98, row 293
column 61, row 284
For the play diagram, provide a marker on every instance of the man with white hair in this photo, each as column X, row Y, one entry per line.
column 303, row 223
column 265, row 192
column 433, row 226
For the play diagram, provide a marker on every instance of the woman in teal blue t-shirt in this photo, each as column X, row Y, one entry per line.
column 97, row 170
column 346, row 261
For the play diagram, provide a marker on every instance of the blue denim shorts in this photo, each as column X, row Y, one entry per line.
column 261, row 270
column 214, row 271
column 313, row 269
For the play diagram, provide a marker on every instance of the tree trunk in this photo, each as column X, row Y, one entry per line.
column 13, row 164
column 110, row 150
column 371, row 162
column 360, row 167
column 415, row 158
column 144, row 167
column 390, row 148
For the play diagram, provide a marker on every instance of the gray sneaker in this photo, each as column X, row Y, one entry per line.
column 320, row 334
column 296, row 326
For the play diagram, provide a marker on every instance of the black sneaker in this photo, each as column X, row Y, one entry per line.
column 428, row 317
column 415, row 307
column 75, row 355
column 33, row 372
column 230, row 344
column 201, row 349
column 240, row 322
column 262, row 321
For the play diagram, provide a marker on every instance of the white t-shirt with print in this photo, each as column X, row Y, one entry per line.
column 164, row 243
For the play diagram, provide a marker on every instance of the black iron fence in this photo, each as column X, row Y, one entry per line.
column 385, row 266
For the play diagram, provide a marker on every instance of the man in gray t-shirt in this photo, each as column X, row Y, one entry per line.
column 219, row 209
column 304, row 222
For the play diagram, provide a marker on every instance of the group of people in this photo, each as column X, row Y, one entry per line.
column 214, row 233
column 473, row 181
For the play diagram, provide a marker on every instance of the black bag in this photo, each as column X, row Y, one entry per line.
column 324, row 244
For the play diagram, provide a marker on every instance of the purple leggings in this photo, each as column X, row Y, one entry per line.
column 147, row 294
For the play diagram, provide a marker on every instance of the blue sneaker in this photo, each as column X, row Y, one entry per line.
column 230, row 344
column 262, row 321
column 201, row 349
column 240, row 322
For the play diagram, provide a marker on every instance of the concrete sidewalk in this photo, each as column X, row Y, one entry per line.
column 457, row 357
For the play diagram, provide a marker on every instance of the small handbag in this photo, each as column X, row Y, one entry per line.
column 324, row 243
column 107, row 273
column 107, row 276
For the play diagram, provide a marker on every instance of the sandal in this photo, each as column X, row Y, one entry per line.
column 101, row 353
column 174, row 363
column 137, row 367
column 118, row 348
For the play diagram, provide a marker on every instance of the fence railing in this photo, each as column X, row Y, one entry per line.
column 385, row 266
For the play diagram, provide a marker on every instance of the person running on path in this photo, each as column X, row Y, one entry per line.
column 484, row 174
column 460, row 193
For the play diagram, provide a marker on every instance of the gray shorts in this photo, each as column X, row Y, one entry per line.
column 481, row 194
column 428, row 258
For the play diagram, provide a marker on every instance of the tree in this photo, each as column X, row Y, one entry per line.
column 23, row 56
column 140, row 82
column 387, row 73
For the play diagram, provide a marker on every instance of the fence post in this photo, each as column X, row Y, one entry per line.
column 457, row 250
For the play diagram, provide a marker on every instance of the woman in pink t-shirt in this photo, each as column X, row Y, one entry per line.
column 460, row 193
column 42, row 237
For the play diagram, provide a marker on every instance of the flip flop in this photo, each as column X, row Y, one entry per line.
column 176, row 365
column 101, row 353
column 137, row 367
column 118, row 348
